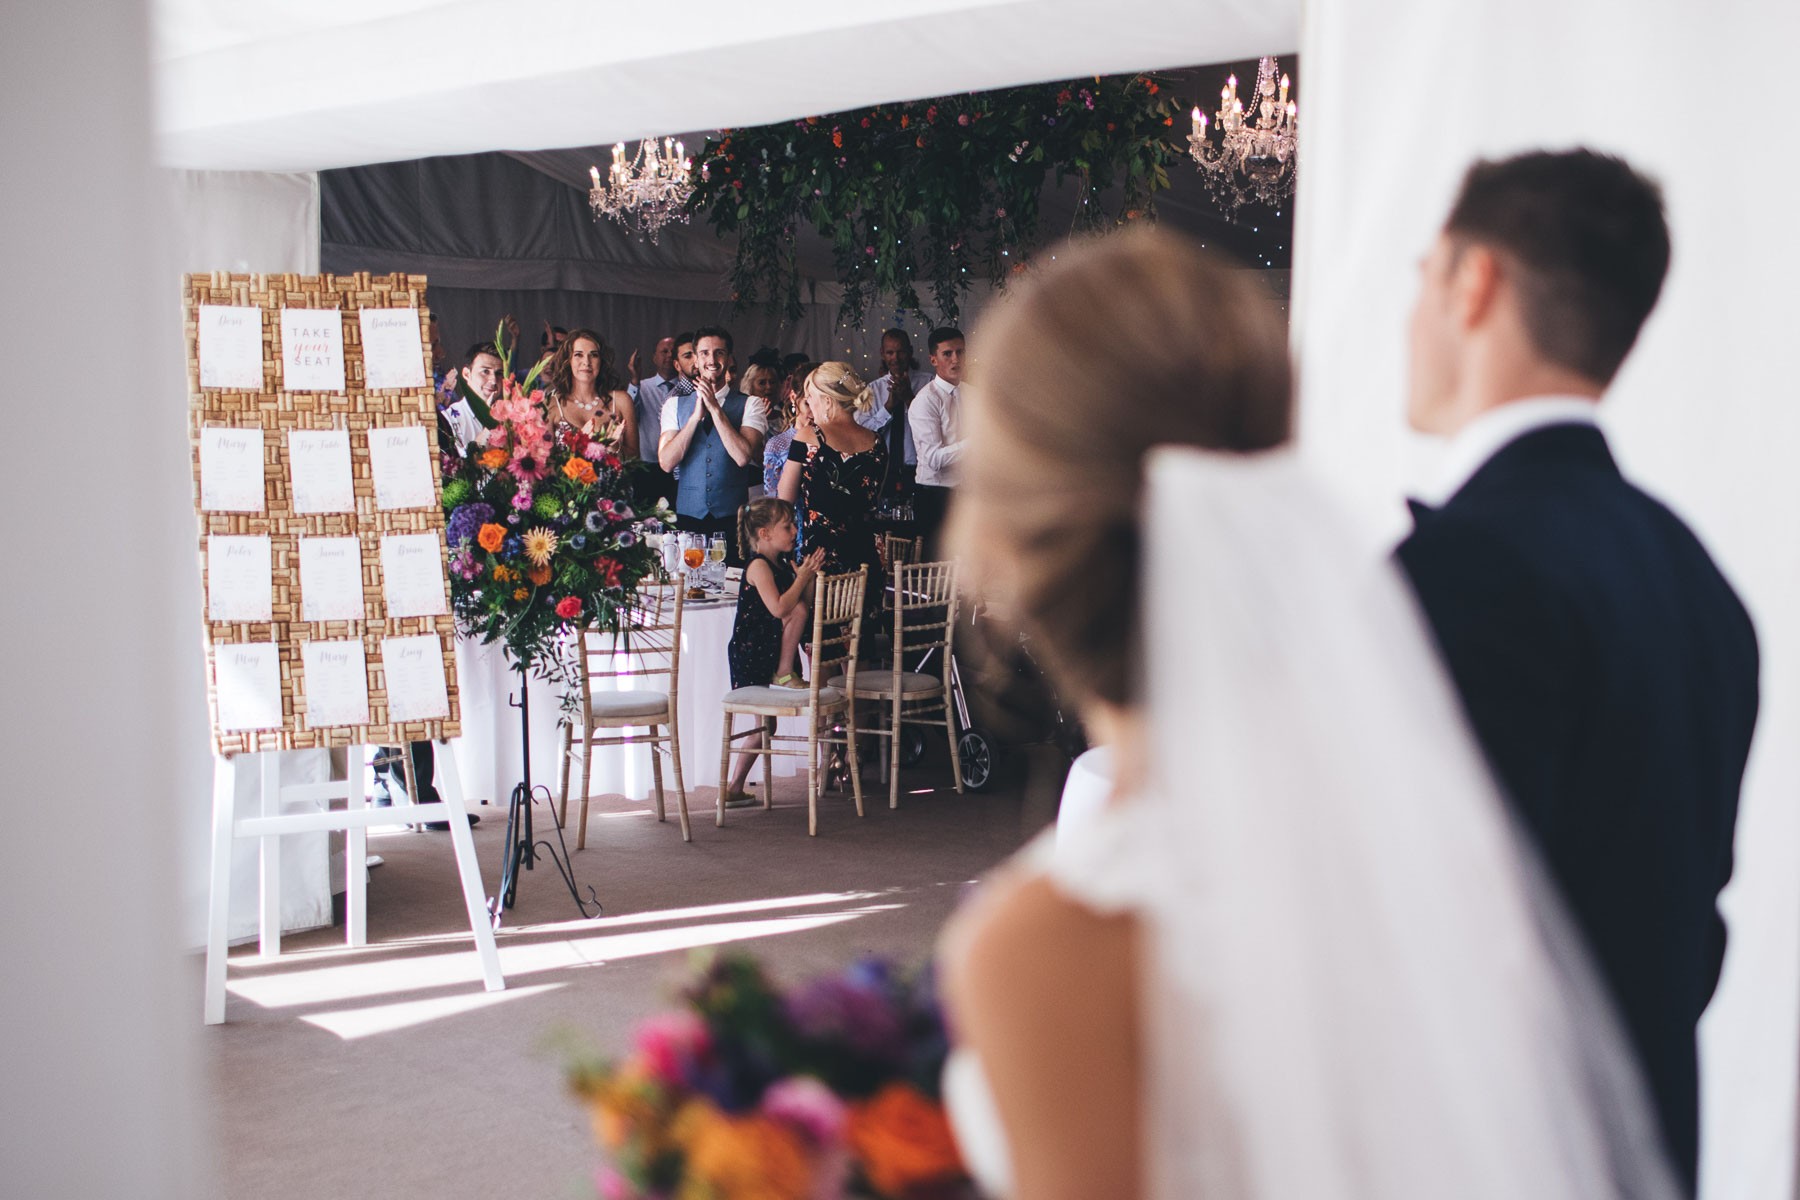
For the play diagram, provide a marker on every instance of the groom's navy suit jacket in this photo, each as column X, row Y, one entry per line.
column 1611, row 675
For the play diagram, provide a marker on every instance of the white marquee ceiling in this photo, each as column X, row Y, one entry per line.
column 268, row 85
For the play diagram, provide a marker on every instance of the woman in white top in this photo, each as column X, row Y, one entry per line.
column 1303, row 954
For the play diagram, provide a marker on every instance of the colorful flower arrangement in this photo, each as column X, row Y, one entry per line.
column 542, row 533
column 826, row 1091
column 922, row 199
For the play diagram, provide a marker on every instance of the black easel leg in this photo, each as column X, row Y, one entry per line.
column 521, row 844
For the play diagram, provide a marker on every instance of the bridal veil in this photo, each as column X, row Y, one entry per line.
column 1358, row 985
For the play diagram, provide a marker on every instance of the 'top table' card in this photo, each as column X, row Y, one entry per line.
column 319, row 470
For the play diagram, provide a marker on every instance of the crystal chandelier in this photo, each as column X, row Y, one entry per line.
column 646, row 191
column 1255, row 158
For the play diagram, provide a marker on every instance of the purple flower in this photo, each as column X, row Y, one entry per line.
column 627, row 539
column 522, row 500
column 467, row 521
column 844, row 1010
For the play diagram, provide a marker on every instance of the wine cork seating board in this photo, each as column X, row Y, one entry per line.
column 396, row 643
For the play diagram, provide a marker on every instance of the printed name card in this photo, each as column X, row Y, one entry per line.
column 336, row 679
column 312, row 350
column 331, row 579
column 416, row 690
column 412, row 575
column 401, row 464
column 230, row 347
column 239, row 583
column 319, row 469
column 393, row 354
column 247, row 682
column 231, row 469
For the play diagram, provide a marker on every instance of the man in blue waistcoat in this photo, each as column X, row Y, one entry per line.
column 714, row 434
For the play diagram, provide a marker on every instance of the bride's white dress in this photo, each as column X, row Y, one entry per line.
column 1357, row 985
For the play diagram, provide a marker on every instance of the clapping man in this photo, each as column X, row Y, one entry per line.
column 649, row 396
column 1605, row 663
column 894, row 391
column 714, row 434
column 935, row 422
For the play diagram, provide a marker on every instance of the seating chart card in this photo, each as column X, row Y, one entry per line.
column 247, row 679
column 336, row 678
column 393, row 354
column 312, row 350
column 400, row 461
column 231, row 347
column 415, row 678
column 319, row 470
column 331, row 579
column 239, row 583
column 412, row 575
column 231, row 469
column 301, row 457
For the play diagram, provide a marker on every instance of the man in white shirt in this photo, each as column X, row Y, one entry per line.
column 649, row 396
column 714, row 434
column 894, row 393
column 935, row 421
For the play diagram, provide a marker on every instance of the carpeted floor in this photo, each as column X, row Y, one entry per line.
column 388, row 1072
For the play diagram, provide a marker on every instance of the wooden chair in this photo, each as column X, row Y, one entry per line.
column 648, row 645
column 924, row 619
column 837, row 608
column 900, row 550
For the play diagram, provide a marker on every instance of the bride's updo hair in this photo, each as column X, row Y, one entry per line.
column 1133, row 340
column 846, row 388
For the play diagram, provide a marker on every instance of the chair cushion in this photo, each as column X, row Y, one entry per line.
column 614, row 706
column 881, row 683
column 773, row 697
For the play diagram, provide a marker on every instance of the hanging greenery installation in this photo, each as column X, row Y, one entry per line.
column 921, row 200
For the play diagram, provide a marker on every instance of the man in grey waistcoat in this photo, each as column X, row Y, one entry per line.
column 714, row 434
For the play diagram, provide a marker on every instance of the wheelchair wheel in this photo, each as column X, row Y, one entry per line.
column 979, row 755
column 912, row 745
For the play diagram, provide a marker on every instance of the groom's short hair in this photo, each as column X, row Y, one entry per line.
column 1587, row 237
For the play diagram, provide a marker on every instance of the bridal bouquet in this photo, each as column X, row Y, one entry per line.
column 541, row 532
column 825, row 1091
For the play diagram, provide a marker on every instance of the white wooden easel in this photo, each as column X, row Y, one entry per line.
column 354, row 821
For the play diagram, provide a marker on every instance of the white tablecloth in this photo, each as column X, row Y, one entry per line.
column 488, row 751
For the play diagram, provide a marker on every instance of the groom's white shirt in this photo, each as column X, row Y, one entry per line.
column 1498, row 428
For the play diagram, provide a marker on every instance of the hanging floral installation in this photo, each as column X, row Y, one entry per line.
column 922, row 200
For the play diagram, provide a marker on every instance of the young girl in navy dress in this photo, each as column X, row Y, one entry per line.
column 772, row 613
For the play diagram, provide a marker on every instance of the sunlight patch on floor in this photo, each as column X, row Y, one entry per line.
column 354, row 1023
column 350, row 981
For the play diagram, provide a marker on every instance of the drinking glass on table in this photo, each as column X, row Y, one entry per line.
column 693, row 553
column 715, row 567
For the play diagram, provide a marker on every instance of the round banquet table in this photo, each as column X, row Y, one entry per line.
column 488, row 756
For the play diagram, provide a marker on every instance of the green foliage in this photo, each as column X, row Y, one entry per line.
column 920, row 200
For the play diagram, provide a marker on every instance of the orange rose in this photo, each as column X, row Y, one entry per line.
column 903, row 1141
column 580, row 470
column 491, row 536
column 538, row 575
column 746, row 1158
column 496, row 458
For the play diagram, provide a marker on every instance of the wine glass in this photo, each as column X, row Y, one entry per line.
column 715, row 568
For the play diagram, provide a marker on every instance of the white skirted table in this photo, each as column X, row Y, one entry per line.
column 488, row 751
